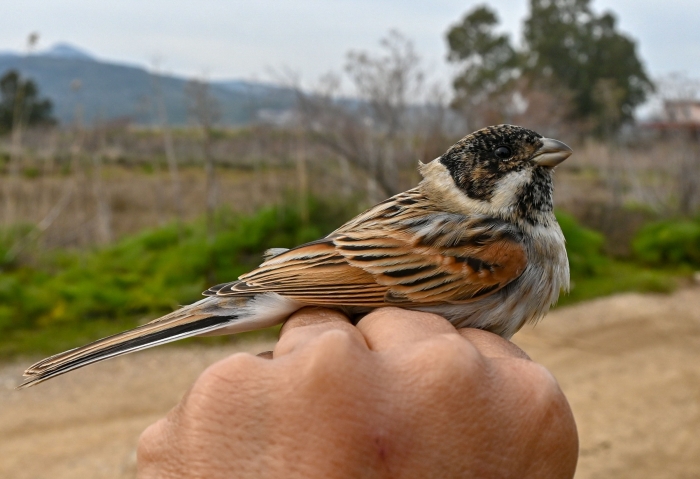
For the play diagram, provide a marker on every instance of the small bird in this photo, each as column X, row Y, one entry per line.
column 475, row 242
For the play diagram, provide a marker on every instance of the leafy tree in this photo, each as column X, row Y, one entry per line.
column 489, row 60
column 20, row 102
column 567, row 47
column 586, row 53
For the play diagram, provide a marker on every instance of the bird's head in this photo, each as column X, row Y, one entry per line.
column 502, row 170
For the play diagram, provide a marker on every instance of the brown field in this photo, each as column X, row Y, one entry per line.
column 141, row 200
column 627, row 363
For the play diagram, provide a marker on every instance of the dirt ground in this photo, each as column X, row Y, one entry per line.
column 629, row 364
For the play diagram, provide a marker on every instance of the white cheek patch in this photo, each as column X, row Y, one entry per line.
column 438, row 184
column 508, row 188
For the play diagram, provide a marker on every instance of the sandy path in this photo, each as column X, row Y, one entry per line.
column 630, row 367
column 629, row 364
column 85, row 425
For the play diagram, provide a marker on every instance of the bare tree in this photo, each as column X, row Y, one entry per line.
column 335, row 125
column 173, row 169
column 388, row 81
column 16, row 152
column 302, row 178
column 688, row 180
column 371, row 130
column 76, row 159
column 103, row 225
column 48, row 165
column 205, row 110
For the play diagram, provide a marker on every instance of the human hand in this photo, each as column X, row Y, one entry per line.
column 402, row 395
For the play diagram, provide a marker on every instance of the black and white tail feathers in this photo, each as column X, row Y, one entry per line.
column 204, row 316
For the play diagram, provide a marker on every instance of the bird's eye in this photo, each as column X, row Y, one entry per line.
column 502, row 152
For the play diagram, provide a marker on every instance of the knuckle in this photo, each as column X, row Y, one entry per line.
column 546, row 386
column 449, row 357
column 335, row 339
column 534, row 382
column 330, row 348
column 221, row 380
column 383, row 312
column 147, row 447
column 314, row 336
column 392, row 312
column 160, row 452
column 537, row 376
column 330, row 361
column 451, row 348
column 543, row 376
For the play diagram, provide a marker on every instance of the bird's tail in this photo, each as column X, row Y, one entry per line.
column 202, row 317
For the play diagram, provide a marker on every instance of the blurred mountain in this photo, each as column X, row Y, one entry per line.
column 64, row 50
column 71, row 77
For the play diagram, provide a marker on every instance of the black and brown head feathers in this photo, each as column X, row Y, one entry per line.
column 479, row 160
column 507, row 166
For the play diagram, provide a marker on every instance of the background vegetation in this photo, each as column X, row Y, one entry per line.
column 109, row 224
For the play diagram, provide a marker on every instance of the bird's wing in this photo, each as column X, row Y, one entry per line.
column 402, row 251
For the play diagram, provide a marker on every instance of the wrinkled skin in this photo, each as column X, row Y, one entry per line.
column 402, row 395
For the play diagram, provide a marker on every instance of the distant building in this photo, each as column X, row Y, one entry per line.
column 682, row 112
column 677, row 116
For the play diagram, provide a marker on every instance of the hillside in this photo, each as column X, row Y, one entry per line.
column 116, row 91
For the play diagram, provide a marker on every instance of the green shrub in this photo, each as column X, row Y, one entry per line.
column 64, row 296
column 61, row 299
column 593, row 274
column 583, row 246
column 669, row 243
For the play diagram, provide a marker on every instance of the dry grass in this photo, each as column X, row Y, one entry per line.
column 613, row 189
column 139, row 199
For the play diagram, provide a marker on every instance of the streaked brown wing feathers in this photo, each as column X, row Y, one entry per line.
column 420, row 273
column 316, row 274
column 401, row 251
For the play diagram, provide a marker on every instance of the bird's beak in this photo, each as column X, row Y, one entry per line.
column 551, row 153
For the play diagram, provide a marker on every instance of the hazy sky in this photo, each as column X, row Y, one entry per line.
column 244, row 39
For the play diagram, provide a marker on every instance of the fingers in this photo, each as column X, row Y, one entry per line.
column 383, row 329
column 309, row 323
column 492, row 345
column 388, row 328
